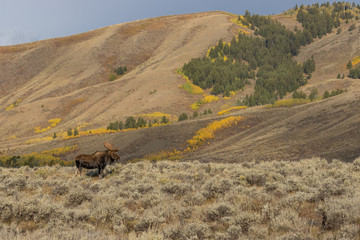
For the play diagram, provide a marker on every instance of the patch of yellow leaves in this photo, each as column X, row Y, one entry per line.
column 206, row 99
column 37, row 140
column 157, row 116
column 355, row 60
column 200, row 137
column 53, row 122
column 188, row 86
column 208, row 132
column 231, row 110
column 13, row 105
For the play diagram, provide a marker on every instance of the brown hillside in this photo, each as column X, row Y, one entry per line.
column 67, row 77
column 77, row 90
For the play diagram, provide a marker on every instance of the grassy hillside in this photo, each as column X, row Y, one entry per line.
column 308, row 199
column 68, row 78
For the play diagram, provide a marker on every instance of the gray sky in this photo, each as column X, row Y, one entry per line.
column 30, row 20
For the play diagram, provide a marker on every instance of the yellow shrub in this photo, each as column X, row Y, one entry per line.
column 355, row 60
column 206, row 99
column 231, row 109
column 157, row 115
column 209, row 99
column 44, row 158
column 191, row 88
column 13, row 105
column 53, row 122
column 188, row 86
column 289, row 102
column 36, row 140
column 208, row 132
column 195, row 105
column 172, row 155
column 62, row 150
column 200, row 137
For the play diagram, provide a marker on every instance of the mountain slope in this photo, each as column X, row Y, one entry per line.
column 77, row 90
column 67, row 77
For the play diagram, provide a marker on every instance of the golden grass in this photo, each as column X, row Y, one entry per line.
column 288, row 102
column 231, row 110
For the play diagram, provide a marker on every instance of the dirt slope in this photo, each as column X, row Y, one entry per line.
column 67, row 77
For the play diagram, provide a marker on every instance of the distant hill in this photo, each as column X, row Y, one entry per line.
column 65, row 82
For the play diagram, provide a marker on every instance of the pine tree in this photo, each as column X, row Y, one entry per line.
column 69, row 132
column 349, row 65
column 54, row 135
column 326, row 94
column 76, row 132
column 183, row 117
column 164, row 119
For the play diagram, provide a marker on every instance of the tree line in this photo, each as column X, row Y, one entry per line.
column 132, row 123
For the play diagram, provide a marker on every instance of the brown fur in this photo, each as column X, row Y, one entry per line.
column 97, row 160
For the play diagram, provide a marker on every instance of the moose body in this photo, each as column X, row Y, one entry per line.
column 96, row 160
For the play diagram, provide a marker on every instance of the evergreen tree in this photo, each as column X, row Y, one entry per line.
column 349, row 65
column 130, row 123
column 183, row 117
column 141, row 122
column 326, row 94
column 54, row 135
column 76, row 132
column 69, row 132
column 355, row 73
column 164, row 119
column 313, row 94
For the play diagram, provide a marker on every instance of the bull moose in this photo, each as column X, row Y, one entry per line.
column 97, row 159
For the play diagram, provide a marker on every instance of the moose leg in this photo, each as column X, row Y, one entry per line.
column 100, row 172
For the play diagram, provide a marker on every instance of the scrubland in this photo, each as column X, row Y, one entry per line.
column 308, row 199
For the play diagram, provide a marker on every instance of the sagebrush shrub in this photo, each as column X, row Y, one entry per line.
column 77, row 197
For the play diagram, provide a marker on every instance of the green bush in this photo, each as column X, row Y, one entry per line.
column 355, row 73
column 120, row 70
column 183, row 117
column 299, row 94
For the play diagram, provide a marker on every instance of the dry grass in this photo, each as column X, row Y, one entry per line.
column 309, row 199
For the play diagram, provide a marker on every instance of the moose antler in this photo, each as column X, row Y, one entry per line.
column 110, row 147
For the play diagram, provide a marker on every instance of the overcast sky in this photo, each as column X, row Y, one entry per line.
column 30, row 20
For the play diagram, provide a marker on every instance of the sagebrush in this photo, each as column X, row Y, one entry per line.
column 309, row 199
